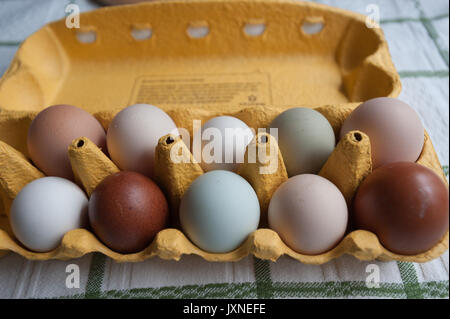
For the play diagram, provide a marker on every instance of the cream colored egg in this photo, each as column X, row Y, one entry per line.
column 133, row 135
column 309, row 213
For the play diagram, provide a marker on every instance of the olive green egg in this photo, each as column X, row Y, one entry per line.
column 305, row 138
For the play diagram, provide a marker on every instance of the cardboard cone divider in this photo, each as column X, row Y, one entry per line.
column 175, row 178
column 307, row 54
column 349, row 164
column 89, row 164
column 15, row 173
column 257, row 170
column 346, row 167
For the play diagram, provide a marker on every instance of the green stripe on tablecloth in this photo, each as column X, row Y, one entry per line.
column 224, row 290
column 345, row 289
column 445, row 168
column 402, row 20
column 410, row 280
column 428, row 25
column 220, row 290
column 434, row 289
column 337, row 289
column 263, row 278
column 425, row 74
column 10, row 43
column 434, row 36
column 95, row 277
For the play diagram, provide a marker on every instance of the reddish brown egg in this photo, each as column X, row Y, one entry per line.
column 51, row 133
column 127, row 210
column 405, row 205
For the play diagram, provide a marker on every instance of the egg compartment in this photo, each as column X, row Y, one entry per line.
column 257, row 57
column 347, row 166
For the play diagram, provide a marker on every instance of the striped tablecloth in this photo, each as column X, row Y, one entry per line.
column 417, row 33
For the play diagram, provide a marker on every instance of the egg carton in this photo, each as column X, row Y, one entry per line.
column 307, row 54
column 347, row 166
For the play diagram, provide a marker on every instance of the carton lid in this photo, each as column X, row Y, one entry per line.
column 214, row 55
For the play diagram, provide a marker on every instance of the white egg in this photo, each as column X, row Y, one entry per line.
column 223, row 142
column 133, row 135
column 46, row 209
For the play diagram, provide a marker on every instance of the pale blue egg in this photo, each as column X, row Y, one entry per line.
column 219, row 210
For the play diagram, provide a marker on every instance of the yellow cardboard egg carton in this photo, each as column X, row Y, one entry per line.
column 198, row 59
column 346, row 167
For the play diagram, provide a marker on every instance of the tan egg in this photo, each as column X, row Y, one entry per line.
column 51, row 133
column 395, row 130
column 309, row 213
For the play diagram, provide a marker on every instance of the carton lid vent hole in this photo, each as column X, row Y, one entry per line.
column 141, row 34
column 311, row 28
column 254, row 29
column 198, row 31
column 86, row 36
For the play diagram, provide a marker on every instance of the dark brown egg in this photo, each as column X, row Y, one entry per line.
column 51, row 133
column 405, row 205
column 127, row 210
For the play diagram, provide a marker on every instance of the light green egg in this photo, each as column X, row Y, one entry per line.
column 306, row 140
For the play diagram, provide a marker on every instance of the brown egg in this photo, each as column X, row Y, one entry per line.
column 127, row 210
column 51, row 133
column 406, row 205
